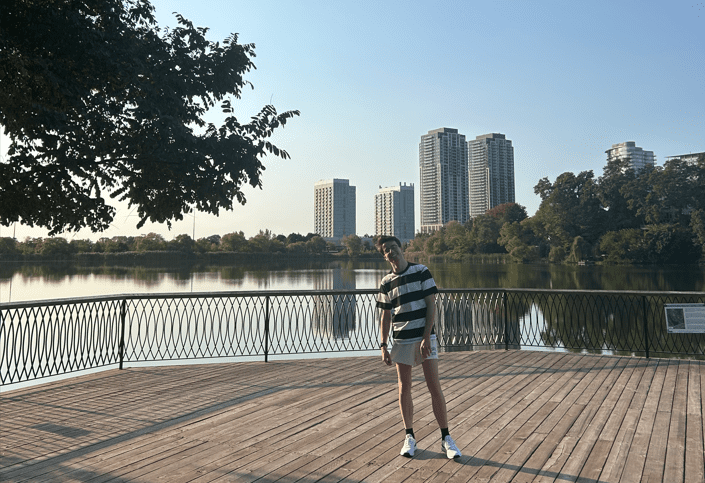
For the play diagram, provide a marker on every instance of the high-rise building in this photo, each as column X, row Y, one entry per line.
column 334, row 208
column 638, row 158
column 490, row 172
column 394, row 212
column 443, row 155
column 691, row 158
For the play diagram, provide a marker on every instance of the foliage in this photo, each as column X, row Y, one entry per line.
column 182, row 243
column 485, row 234
column 99, row 102
column 667, row 194
column 623, row 246
column 508, row 213
column 557, row 254
column 233, row 242
column 353, row 245
column 697, row 225
column 418, row 244
column 614, row 195
column 316, row 245
column 8, row 246
column 570, row 207
column 149, row 242
column 519, row 240
column 666, row 243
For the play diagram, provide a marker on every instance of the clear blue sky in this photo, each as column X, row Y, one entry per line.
column 563, row 80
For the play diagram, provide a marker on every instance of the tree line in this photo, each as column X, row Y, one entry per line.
column 264, row 242
column 653, row 215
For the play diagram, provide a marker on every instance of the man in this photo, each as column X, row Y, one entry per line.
column 407, row 300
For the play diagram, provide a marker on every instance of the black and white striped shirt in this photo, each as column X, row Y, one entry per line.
column 403, row 294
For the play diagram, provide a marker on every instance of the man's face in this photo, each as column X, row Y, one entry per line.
column 392, row 252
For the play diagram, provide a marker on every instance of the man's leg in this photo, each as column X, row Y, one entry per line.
column 406, row 405
column 438, row 401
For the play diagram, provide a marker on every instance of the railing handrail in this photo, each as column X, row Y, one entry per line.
column 42, row 338
column 285, row 293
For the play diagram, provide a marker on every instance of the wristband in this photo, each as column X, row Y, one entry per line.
column 383, row 344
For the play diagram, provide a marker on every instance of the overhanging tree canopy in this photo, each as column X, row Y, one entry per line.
column 98, row 101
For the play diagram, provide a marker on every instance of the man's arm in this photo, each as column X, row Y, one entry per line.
column 430, row 320
column 385, row 323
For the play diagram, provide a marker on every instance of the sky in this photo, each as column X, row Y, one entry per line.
column 562, row 80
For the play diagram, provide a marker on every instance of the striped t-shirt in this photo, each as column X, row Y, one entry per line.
column 403, row 294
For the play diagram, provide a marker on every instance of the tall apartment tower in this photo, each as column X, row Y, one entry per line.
column 490, row 172
column 394, row 212
column 334, row 208
column 443, row 155
column 638, row 158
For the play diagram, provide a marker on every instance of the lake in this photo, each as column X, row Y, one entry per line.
column 40, row 281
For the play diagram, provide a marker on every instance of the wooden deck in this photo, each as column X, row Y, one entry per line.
column 517, row 416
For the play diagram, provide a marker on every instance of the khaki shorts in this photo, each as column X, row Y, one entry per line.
column 409, row 353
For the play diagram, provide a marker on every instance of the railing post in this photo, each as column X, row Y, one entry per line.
column 266, row 330
column 121, row 346
column 506, row 321
column 646, row 328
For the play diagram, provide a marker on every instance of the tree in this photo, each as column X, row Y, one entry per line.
column 54, row 247
column 233, row 242
column 667, row 194
column 508, row 212
column 295, row 237
column 614, row 195
column 485, row 234
column 81, row 246
column 113, row 245
column 457, row 238
column 261, row 242
column 316, row 245
column 436, row 243
column 181, row 243
column 8, row 246
column 519, row 241
column 623, row 245
column 570, row 207
column 697, row 225
column 418, row 244
column 98, row 101
column 150, row 242
column 353, row 244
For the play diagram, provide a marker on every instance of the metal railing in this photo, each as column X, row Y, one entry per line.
column 54, row 337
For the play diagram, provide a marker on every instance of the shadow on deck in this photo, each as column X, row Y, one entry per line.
column 517, row 416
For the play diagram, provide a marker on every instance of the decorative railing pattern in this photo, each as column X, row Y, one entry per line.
column 54, row 337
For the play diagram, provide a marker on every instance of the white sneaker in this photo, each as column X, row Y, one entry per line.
column 409, row 446
column 450, row 448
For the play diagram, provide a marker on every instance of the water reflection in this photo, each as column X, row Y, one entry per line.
column 334, row 315
column 596, row 277
column 47, row 281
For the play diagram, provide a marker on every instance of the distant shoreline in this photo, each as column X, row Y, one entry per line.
column 161, row 258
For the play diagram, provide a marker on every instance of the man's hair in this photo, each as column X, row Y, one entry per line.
column 384, row 239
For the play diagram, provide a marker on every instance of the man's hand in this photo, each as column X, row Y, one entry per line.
column 386, row 358
column 426, row 347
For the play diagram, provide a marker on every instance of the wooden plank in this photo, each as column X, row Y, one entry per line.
column 675, row 450
column 636, row 460
column 695, row 446
column 611, row 412
column 517, row 416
